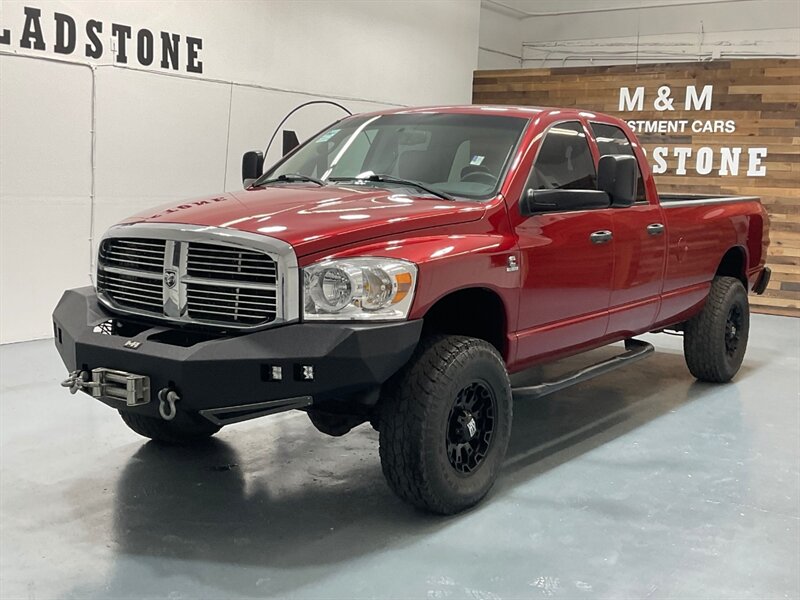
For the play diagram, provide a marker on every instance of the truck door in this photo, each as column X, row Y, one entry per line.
column 566, row 257
column 639, row 248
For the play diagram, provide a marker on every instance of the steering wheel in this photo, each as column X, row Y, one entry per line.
column 480, row 177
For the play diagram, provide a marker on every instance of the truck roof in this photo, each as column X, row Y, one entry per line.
column 512, row 111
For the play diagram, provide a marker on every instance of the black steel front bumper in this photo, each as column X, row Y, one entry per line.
column 323, row 362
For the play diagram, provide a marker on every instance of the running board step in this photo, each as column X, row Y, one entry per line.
column 634, row 350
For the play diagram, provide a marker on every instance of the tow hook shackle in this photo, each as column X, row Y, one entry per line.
column 166, row 403
column 77, row 379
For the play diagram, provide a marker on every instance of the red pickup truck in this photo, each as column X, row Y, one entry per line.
column 396, row 268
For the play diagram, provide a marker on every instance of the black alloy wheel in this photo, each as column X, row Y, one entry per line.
column 733, row 330
column 470, row 427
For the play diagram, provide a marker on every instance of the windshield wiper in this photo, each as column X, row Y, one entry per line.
column 398, row 180
column 289, row 178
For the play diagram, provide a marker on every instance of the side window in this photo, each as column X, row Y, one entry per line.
column 612, row 140
column 564, row 160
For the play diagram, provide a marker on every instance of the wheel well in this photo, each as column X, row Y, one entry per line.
column 475, row 312
column 733, row 265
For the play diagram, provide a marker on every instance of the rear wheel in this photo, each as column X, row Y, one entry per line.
column 715, row 340
column 182, row 432
column 445, row 422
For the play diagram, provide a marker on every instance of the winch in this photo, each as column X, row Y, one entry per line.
column 110, row 383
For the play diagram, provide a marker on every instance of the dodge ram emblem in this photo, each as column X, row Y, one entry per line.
column 170, row 278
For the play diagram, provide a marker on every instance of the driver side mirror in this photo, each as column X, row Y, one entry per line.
column 616, row 176
column 252, row 166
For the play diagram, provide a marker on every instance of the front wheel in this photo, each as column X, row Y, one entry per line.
column 445, row 422
column 715, row 340
column 169, row 432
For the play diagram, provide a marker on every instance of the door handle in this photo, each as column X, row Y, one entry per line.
column 601, row 237
column 655, row 229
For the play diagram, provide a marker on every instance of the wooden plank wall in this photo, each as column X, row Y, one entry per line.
column 760, row 96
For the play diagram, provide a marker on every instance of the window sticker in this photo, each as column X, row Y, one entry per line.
column 327, row 135
column 476, row 160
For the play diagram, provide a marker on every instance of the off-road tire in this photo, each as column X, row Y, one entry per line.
column 416, row 413
column 708, row 336
column 175, row 432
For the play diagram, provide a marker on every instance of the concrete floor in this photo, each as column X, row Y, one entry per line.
column 642, row 483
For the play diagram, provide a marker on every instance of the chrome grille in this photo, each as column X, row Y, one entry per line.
column 126, row 289
column 139, row 254
column 198, row 275
column 211, row 261
column 242, row 305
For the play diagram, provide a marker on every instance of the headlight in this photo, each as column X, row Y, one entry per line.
column 359, row 289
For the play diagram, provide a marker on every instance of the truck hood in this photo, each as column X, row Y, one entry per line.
column 314, row 219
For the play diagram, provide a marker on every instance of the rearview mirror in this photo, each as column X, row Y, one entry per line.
column 252, row 166
column 616, row 176
column 542, row 201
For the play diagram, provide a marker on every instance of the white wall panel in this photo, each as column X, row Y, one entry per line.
column 45, row 176
column 160, row 137
column 409, row 52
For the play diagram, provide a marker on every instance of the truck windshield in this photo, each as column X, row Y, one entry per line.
column 459, row 155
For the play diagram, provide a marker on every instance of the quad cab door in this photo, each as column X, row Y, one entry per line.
column 639, row 246
column 567, row 257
